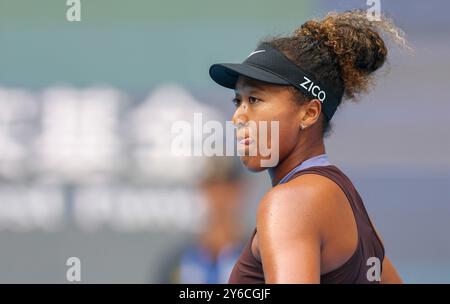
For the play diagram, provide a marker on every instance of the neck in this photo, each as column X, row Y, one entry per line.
column 301, row 152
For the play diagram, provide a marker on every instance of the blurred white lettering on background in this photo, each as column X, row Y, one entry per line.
column 74, row 11
column 73, row 274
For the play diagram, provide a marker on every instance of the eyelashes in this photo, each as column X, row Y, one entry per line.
column 251, row 100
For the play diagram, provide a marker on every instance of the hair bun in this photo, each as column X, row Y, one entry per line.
column 355, row 42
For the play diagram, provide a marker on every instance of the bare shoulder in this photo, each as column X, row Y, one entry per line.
column 302, row 204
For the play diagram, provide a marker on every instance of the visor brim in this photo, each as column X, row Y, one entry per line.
column 226, row 74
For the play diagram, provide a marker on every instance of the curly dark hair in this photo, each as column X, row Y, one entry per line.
column 341, row 50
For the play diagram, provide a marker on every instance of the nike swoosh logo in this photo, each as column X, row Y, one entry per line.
column 255, row 52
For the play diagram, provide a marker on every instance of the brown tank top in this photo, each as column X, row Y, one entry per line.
column 249, row 270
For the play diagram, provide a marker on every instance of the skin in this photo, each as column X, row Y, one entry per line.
column 305, row 227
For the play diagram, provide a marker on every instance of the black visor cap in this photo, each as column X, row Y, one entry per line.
column 226, row 74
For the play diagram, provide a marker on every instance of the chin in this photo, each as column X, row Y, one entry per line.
column 252, row 164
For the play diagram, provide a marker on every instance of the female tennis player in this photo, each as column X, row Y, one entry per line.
column 312, row 226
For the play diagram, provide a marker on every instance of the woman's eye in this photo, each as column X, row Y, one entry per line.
column 252, row 99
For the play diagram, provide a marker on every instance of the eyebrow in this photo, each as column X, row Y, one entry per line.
column 252, row 89
column 255, row 85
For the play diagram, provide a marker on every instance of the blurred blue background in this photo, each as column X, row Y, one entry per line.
column 85, row 109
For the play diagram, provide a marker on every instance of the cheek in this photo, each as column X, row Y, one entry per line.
column 282, row 137
column 287, row 132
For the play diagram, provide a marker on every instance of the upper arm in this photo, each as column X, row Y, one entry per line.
column 289, row 240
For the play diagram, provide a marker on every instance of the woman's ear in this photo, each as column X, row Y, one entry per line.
column 310, row 113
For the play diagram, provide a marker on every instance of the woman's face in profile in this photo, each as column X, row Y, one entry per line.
column 258, row 102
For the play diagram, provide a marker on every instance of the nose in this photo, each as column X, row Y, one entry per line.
column 240, row 116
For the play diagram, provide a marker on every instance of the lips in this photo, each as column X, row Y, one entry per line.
column 244, row 139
